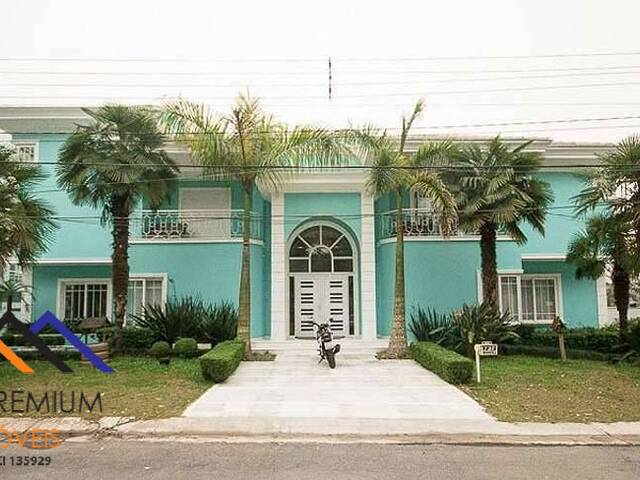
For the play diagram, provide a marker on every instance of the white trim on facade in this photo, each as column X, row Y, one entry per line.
column 603, row 309
column 73, row 261
column 367, row 277
column 557, row 278
column 29, row 143
column 191, row 240
column 453, row 238
column 543, row 257
column 27, row 304
column 278, row 269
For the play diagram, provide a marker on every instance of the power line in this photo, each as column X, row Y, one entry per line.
column 316, row 59
column 425, row 127
column 323, row 97
column 320, row 72
column 308, row 85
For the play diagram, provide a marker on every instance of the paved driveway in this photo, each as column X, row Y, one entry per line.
column 361, row 387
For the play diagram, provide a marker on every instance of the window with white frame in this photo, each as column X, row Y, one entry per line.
column 86, row 299
column 13, row 272
column 26, row 151
column 144, row 291
column 530, row 298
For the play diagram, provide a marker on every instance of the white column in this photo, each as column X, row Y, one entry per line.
column 603, row 309
column 368, row 267
column 27, row 306
column 278, row 269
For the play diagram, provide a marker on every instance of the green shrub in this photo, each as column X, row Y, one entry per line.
column 448, row 365
column 179, row 318
column 186, row 348
column 16, row 340
column 476, row 324
column 428, row 325
column 160, row 349
column 34, row 354
column 220, row 323
column 552, row 352
column 135, row 340
column 598, row 340
column 219, row 363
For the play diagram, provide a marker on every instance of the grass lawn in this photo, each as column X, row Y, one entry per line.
column 140, row 387
column 528, row 389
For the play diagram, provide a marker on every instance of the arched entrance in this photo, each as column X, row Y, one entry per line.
column 322, row 270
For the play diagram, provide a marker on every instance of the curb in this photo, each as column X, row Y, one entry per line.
column 292, row 430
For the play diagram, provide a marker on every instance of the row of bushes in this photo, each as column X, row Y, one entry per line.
column 603, row 340
column 16, row 340
column 184, row 348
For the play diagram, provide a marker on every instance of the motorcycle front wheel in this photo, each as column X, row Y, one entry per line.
column 331, row 358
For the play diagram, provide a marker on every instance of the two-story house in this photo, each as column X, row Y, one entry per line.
column 322, row 247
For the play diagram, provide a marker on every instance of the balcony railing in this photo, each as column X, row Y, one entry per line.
column 171, row 225
column 416, row 222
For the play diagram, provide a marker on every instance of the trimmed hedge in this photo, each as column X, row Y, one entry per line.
column 447, row 364
column 552, row 352
column 160, row 349
column 597, row 340
column 135, row 340
column 17, row 340
column 219, row 363
column 186, row 348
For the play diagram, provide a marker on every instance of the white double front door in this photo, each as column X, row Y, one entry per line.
column 323, row 298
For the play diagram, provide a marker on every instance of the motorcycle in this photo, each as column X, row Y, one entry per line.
column 326, row 348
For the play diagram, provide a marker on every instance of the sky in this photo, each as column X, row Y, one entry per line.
column 519, row 68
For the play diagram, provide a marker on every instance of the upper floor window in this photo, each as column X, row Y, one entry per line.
column 530, row 298
column 26, row 151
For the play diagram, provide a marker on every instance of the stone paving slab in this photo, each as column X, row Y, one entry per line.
column 296, row 386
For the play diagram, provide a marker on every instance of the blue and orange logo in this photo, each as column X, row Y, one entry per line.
column 31, row 335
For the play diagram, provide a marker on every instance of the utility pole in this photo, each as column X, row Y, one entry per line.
column 330, row 79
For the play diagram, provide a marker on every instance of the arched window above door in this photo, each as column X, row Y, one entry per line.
column 321, row 248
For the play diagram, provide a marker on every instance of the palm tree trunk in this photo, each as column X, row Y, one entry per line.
column 398, row 339
column 120, row 264
column 621, row 287
column 489, row 265
column 244, row 312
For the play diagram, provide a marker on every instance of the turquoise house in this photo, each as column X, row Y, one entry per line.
column 322, row 248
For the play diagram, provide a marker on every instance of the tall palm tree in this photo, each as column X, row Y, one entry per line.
column 115, row 163
column 394, row 172
column 251, row 147
column 496, row 191
column 26, row 222
column 616, row 184
column 606, row 241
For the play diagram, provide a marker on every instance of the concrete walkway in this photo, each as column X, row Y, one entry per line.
column 295, row 386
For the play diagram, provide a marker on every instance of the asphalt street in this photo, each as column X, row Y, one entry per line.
column 140, row 460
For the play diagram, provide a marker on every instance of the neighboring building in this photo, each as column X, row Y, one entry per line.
column 322, row 248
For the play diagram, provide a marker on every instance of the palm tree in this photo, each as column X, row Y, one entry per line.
column 394, row 172
column 496, row 191
column 115, row 163
column 606, row 241
column 26, row 222
column 252, row 148
column 616, row 184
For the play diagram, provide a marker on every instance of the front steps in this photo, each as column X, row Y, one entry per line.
column 305, row 347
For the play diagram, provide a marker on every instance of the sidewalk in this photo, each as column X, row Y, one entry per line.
column 257, row 429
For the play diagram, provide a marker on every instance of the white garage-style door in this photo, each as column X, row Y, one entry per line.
column 321, row 281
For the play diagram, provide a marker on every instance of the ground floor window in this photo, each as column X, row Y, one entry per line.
column 13, row 272
column 81, row 299
column 142, row 292
column 86, row 299
column 530, row 298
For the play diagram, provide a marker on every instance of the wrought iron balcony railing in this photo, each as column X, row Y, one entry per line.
column 171, row 225
column 416, row 222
